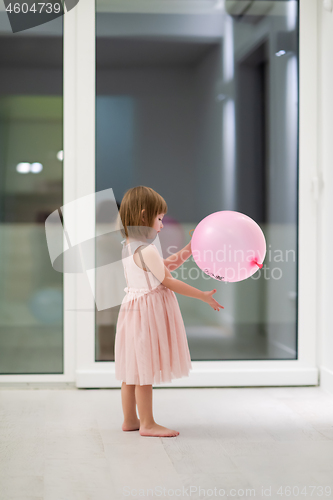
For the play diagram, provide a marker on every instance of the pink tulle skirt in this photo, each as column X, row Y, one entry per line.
column 151, row 344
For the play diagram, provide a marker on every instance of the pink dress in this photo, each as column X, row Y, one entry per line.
column 151, row 344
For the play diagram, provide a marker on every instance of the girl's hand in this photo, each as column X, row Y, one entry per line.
column 208, row 297
column 188, row 246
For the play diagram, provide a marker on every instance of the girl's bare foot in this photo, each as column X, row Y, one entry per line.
column 131, row 426
column 157, row 431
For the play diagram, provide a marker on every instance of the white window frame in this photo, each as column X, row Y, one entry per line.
column 80, row 366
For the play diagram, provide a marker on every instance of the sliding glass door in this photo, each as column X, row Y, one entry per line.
column 31, row 187
column 200, row 102
column 208, row 102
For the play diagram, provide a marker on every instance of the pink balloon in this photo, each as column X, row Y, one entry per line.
column 228, row 246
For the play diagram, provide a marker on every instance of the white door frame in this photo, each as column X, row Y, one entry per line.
column 303, row 371
column 79, row 180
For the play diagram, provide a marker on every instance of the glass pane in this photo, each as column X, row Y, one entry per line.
column 199, row 100
column 31, row 174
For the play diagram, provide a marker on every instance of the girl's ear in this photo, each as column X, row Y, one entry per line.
column 142, row 215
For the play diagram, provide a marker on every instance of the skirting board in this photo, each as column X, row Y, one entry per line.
column 230, row 378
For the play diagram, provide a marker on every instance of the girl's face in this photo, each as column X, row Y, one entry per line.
column 158, row 222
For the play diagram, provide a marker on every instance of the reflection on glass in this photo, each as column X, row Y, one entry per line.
column 200, row 102
column 31, row 298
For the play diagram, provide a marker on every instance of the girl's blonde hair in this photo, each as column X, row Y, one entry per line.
column 134, row 201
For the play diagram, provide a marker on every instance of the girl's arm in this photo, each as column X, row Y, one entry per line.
column 154, row 263
column 190, row 291
column 177, row 259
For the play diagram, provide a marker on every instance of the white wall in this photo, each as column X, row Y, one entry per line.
column 325, row 206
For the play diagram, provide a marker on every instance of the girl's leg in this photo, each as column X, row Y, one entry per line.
column 148, row 426
column 131, row 421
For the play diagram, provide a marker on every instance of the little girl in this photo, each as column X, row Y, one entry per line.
column 151, row 344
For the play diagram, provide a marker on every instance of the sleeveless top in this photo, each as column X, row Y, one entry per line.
column 137, row 280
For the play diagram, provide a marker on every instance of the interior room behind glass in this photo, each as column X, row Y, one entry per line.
column 201, row 104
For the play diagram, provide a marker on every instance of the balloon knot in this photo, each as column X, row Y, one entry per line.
column 257, row 264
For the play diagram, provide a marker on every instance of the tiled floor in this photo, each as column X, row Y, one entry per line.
column 59, row 444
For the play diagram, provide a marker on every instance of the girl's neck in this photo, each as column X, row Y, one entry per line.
column 130, row 240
